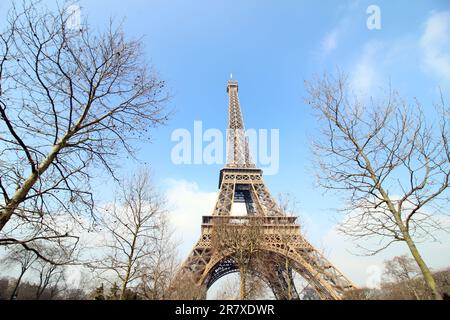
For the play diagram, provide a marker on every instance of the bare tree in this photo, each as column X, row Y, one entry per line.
column 160, row 268
column 227, row 290
column 288, row 206
column 25, row 259
column 50, row 278
column 133, row 227
column 70, row 99
column 401, row 268
column 256, row 288
column 363, row 294
column 184, row 287
column 241, row 239
column 387, row 159
column 401, row 281
column 401, row 271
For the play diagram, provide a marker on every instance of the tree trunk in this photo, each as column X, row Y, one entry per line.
column 40, row 291
column 16, row 287
column 124, row 287
column 423, row 267
column 19, row 196
column 130, row 264
column 7, row 211
column 242, row 289
column 412, row 247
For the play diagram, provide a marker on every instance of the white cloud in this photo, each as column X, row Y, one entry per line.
column 363, row 77
column 379, row 60
column 435, row 44
column 342, row 29
column 366, row 72
column 187, row 205
column 330, row 42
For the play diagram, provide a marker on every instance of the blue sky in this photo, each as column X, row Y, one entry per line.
column 271, row 47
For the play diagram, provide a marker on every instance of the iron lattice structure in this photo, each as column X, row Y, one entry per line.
column 241, row 182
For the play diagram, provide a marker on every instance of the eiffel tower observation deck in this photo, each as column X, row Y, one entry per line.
column 280, row 244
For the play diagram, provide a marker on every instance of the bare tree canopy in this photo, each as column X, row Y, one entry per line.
column 241, row 240
column 256, row 289
column 49, row 277
column 71, row 100
column 45, row 280
column 390, row 162
column 137, row 245
column 158, row 270
column 401, row 268
column 401, row 272
column 24, row 258
column 402, row 280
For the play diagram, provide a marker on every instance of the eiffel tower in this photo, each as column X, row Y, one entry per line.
column 241, row 182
